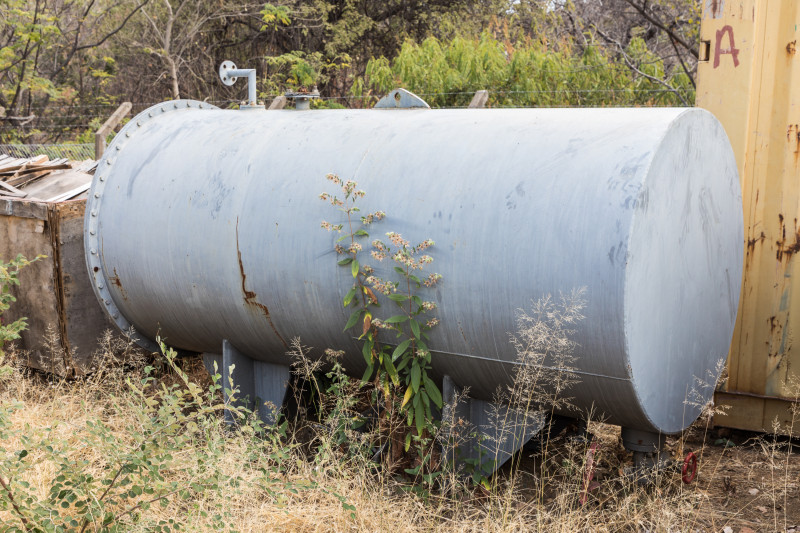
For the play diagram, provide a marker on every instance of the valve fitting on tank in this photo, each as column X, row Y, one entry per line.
column 302, row 99
column 228, row 73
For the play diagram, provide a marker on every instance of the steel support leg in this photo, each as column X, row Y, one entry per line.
column 482, row 433
column 649, row 455
column 262, row 386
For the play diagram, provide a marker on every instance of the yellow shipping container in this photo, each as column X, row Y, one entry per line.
column 746, row 75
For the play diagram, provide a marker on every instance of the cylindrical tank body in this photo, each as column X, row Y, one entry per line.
column 204, row 224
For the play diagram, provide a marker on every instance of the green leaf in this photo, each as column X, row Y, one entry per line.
column 362, row 233
column 345, row 261
column 392, row 371
column 399, row 298
column 415, row 279
column 367, row 373
column 354, row 267
column 415, row 328
column 353, row 319
column 419, row 418
column 433, row 391
column 343, row 237
column 416, row 373
column 425, row 400
column 349, row 297
column 400, row 349
column 413, row 471
column 366, row 351
column 408, row 441
column 400, row 271
column 396, row 319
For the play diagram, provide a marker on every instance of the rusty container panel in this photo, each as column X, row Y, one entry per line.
column 748, row 78
column 65, row 321
column 25, row 229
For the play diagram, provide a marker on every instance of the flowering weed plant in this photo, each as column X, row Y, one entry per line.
column 395, row 348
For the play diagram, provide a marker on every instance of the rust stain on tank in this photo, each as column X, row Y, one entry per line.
column 250, row 296
column 115, row 280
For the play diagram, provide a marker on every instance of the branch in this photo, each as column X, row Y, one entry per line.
column 636, row 69
column 115, row 31
column 24, row 57
column 642, row 9
column 77, row 36
column 14, row 504
column 19, row 121
column 139, row 505
column 683, row 65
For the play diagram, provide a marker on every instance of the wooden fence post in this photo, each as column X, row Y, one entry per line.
column 107, row 127
column 479, row 100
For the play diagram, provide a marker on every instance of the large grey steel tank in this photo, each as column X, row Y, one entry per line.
column 203, row 225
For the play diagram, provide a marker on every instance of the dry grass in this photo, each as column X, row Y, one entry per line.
column 275, row 484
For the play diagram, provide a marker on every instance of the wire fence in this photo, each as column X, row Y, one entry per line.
column 64, row 122
column 74, row 152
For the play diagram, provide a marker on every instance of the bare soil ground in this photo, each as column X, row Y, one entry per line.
column 746, row 482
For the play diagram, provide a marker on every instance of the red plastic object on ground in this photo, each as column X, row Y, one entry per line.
column 689, row 471
column 588, row 473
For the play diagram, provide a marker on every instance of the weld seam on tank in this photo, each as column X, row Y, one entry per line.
column 518, row 363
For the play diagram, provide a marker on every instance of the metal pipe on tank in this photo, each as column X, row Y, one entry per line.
column 229, row 74
column 251, row 82
column 202, row 227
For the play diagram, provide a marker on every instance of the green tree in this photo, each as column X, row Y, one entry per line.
column 525, row 73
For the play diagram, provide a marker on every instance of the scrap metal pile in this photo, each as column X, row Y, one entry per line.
column 41, row 179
